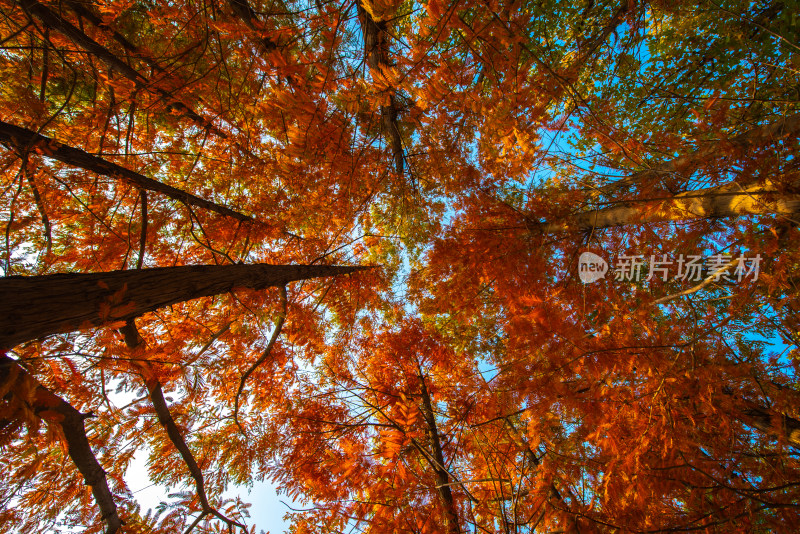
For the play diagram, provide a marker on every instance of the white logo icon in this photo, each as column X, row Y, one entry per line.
column 591, row 267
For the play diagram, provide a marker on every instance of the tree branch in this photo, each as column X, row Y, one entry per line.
column 24, row 140
column 133, row 340
column 273, row 338
column 57, row 22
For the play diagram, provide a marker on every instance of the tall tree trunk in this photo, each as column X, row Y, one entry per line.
column 442, row 476
column 37, row 306
column 52, row 408
column 23, row 140
column 730, row 200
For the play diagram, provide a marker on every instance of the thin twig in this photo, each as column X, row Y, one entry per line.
column 710, row 278
column 273, row 338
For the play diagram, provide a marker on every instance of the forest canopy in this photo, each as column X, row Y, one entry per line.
column 428, row 267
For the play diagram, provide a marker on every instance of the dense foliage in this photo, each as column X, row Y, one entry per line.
column 470, row 151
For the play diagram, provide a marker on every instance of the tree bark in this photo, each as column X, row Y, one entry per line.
column 442, row 476
column 23, row 140
column 376, row 55
column 52, row 408
column 730, row 200
column 37, row 306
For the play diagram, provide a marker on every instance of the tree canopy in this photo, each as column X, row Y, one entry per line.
column 440, row 266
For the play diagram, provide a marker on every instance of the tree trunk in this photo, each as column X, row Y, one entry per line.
column 52, row 408
column 23, row 140
column 37, row 306
column 85, row 10
column 442, row 476
column 730, row 200
column 376, row 55
column 56, row 22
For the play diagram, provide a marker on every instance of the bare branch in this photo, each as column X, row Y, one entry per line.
column 273, row 338
column 24, row 140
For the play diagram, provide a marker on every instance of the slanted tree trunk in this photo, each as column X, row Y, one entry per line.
column 35, row 306
column 23, row 140
column 84, row 9
column 730, row 200
column 56, row 411
column 56, row 22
